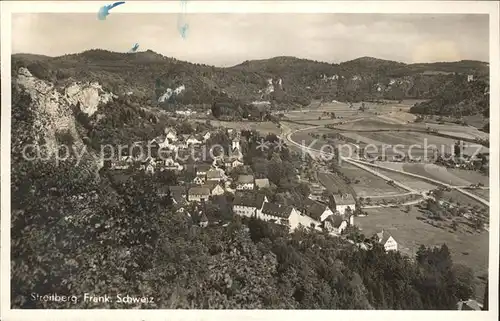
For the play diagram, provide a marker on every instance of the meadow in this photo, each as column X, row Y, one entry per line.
column 470, row 249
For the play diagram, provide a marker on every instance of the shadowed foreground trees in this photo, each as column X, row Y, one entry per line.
column 72, row 235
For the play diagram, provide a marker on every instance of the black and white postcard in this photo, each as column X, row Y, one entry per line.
column 207, row 160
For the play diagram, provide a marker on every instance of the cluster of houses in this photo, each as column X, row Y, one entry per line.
column 172, row 151
column 308, row 213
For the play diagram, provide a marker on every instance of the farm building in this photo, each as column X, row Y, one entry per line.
column 247, row 204
column 387, row 241
column 343, row 202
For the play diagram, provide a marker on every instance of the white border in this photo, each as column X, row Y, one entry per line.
column 491, row 8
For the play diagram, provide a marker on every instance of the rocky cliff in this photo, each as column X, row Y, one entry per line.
column 43, row 114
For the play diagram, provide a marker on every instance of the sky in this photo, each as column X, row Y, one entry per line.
column 229, row 39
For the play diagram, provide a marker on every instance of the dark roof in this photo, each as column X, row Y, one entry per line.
column 199, row 191
column 211, row 185
column 213, row 173
column 163, row 190
column 313, row 209
column 245, row 179
column 248, row 199
column 344, row 199
column 178, row 199
column 177, row 189
column 383, row 237
column 203, row 167
column 336, row 220
column 277, row 210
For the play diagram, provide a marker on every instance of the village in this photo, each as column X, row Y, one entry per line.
column 205, row 179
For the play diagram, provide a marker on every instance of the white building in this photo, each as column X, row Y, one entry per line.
column 343, row 202
column 287, row 215
column 215, row 175
column 245, row 182
column 199, row 179
column 335, row 224
column 262, row 182
column 248, row 205
column 387, row 241
column 198, row 194
column 171, row 134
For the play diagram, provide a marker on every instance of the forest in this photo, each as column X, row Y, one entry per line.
column 76, row 234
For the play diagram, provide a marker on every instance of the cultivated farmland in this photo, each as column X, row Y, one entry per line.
column 368, row 185
column 470, row 249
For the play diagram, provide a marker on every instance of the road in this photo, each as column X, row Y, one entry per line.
column 314, row 153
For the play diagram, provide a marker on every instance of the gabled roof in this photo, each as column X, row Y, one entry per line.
column 472, row 305
column 245, row 179
column 344, row 199
column 277, row 210
column 199, row 191
column 178, row 199
column 203, row 167
column 211, row 185
column 336, row 220
column 383, row 236
column 314, row 209
column 214, row 173
column 174, row 189
column 248, row 199
column 262, row 182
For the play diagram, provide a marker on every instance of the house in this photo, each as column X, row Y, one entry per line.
column 127, row 159
column 199, row 179
column 248, row 204
column 316, row 210
column 121, row 164
column 236, row 163
column 191, row 140
column 203, row 220
column 150, row 169
column 198, row 194
column 471, row 305
column 171, row 164
column 235, row 142
column 215, row 188
column 343, row 202
column 235, row 153
column 245, row 182
column 287, row 215
column 387, row 241
column 470, row 78
column 205, row 136
column 202, row 169
column 171, row 134
column 335, row 224
column 215, row 175
column 262, row 183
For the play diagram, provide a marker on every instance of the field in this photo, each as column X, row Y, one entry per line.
column 439, row 173
column 484, row 193
column 420, row 141
column 412, row 182
column 464, row 200
column 470, row 176
column 368, row 185
column 262, row 127
column 335, row 184
column 468, row 249
column 458, row 130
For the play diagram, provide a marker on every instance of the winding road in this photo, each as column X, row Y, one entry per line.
column 315, row 153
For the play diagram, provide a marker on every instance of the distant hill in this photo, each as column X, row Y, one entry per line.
column 283, row 80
